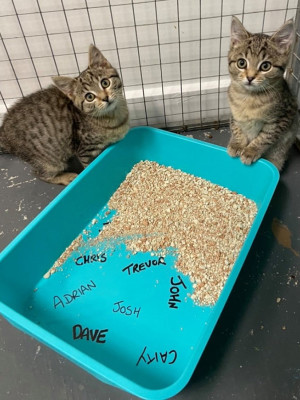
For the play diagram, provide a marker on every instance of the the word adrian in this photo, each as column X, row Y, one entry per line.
column 68, row 298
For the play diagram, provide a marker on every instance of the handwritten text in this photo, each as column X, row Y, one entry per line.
column 90, row 258
column 68, row 298
column 168, row 357
column 174, row 292
column 126, row 310
column 133, row 268
column 95, row 335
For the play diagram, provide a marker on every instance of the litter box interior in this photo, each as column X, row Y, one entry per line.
column 127, row 318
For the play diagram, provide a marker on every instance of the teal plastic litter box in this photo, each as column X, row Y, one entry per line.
column 116, row 326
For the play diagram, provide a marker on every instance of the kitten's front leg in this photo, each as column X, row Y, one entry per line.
column 238, row 140
column 88, row 153
column 250, row 154
column 258, row 146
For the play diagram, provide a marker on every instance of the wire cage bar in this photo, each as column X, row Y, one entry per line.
column 171, row 54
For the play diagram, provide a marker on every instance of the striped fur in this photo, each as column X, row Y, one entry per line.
column 50, row 126
column 264, row 113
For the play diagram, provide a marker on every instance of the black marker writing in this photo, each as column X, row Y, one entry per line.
column 174, row 298
column 133, row 268
column 90, row 258
column 68, row 298
column 168, row 357
column 95, row 335
column 126, row 310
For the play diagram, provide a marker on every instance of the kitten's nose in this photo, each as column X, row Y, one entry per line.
column 250, row 78
column 105, row 99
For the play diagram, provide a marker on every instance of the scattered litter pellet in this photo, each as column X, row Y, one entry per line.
column 278, row 300
column 65, row 255
column 161, row 209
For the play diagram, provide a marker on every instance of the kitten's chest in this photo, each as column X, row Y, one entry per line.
column 251, row 127
column 248, row 107
column 102, row 132
column 250, row 114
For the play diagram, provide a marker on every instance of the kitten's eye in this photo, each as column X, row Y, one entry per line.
column 105, row 83
column 265, row 66
column 241, row 63
column 90, row 97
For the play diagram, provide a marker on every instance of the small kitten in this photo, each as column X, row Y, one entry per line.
column 76, row 117
column 264, row 112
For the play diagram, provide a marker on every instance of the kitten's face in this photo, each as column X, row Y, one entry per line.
column 254, row 63
column 258, row 61
column 97, row 91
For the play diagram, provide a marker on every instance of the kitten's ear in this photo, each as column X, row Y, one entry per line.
column 97, row 59
column 284, row 36
column 238, row 32
column 65, row 84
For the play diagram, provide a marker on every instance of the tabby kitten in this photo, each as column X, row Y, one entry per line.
column 264, row 113
column 76, row 117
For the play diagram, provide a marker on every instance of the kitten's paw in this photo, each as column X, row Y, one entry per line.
column 234, row 150
column 67, row 178
column 62, row 179
column 249, row 156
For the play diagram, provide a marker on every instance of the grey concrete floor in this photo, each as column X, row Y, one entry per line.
column 254, row 351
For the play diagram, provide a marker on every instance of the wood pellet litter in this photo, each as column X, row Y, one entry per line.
column 65, row 255
column 162, row 209
column 166, row 211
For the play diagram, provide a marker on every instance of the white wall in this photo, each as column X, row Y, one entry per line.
column 170, row 53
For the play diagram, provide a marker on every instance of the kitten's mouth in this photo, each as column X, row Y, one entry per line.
column 250, row 85
column 110, row 105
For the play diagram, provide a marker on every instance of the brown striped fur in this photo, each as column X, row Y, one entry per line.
column 50, row 126
column 264, row 112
